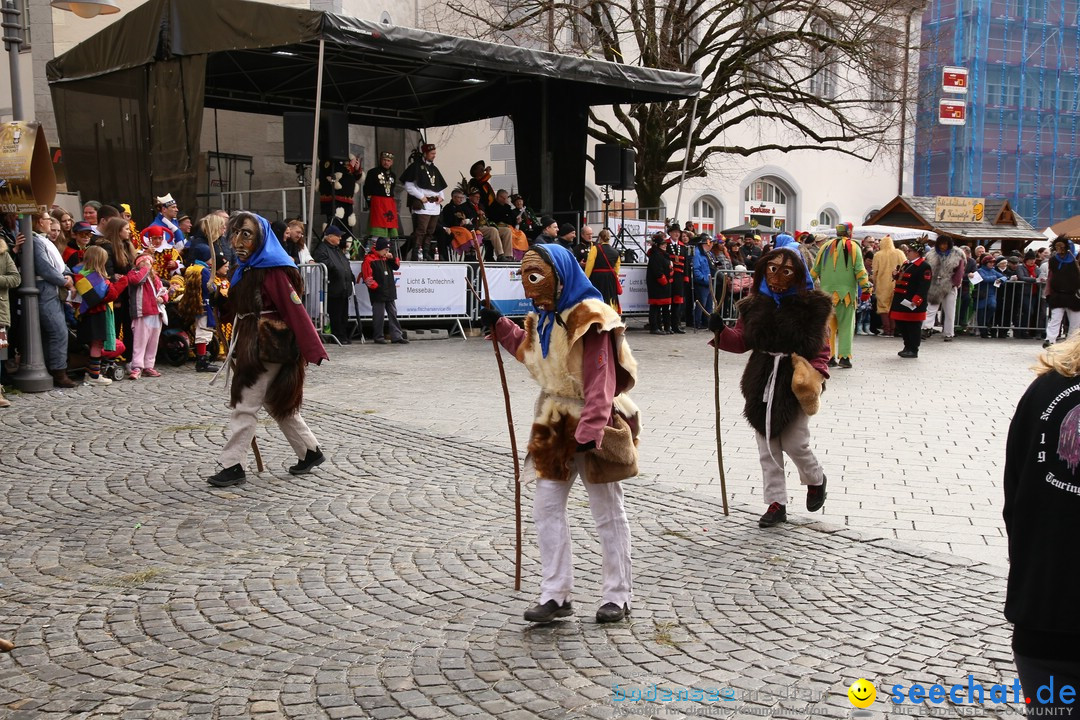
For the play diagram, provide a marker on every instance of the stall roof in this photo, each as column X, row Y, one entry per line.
column 999, row 222
column 262, row 59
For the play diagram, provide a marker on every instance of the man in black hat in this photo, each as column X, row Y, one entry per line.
column 425, row 185
column 567, row 234
column 339, row 281
column 479, row 176
column 549, row 231
column 379, row 190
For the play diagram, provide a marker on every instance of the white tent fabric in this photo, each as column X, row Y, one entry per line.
column 897, row 233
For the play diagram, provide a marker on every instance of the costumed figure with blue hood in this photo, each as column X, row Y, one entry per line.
column 1062, row 289
column 273, row 340
column 585, row 424
column 842, row 275
column 783, row 322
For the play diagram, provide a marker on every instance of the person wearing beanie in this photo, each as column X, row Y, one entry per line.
column 549, row 230
column 272, row 344
column 567, row 234
column 586, row 425
column 658, row 281
column 377, row 273
column 782, row 322
column 339, row 281
column 702, row 269
column 199, row 290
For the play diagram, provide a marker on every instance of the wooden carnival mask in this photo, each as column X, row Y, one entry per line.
column 540, row 280
column 244, row 236
column 781, row 273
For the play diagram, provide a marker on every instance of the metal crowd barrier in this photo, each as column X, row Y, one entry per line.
column 315, row 285
column 1015, row 306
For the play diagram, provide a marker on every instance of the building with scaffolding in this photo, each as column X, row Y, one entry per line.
column 1019, row 140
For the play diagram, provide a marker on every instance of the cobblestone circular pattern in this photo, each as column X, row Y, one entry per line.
column 381, row 585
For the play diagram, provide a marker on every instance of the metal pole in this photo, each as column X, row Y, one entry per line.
column 313, row 184
column 31, row 376
column 686, row 157
column 903, row 105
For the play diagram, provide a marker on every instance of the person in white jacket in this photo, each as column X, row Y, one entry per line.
column 425, row 185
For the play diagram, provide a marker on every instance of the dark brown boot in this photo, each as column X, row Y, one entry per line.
column 61, row 379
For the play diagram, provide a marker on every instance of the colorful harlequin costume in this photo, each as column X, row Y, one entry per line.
column 585, row 424
column 840, row 271
column 166, row 261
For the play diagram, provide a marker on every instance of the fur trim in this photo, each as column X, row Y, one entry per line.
column 943, row 268
column 797, row 326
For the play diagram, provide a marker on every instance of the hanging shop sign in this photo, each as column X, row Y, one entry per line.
column 954, row 80
column 952, row 112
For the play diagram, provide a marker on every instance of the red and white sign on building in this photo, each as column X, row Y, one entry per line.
column 954, row 80
column 952, row 112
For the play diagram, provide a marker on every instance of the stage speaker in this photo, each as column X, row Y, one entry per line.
column 299, row 127
column 607, row 165
column 333, row 136
column 628, row 160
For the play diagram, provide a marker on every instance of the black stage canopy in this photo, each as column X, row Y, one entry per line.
column 129, row 100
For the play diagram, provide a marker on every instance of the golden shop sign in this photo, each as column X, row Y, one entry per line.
column 27, row 179
column 959, row 209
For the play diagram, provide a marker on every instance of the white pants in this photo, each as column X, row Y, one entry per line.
column 1053, row 326
column 203, row 334
column 795, row 441
column 243, row 421
column 948, row 308
column 553, row 536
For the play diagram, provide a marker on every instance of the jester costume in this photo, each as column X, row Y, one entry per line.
column 585, row 424
column 273, row 340
column 840, row 271
column 96, row 320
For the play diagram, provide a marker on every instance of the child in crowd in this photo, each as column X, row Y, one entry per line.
column 377, row 273
column 97, row 327
column 740, row 282
column 147, row 296
column 222, row 325
column 199, row 289
column 864, row 312
column 166, row 259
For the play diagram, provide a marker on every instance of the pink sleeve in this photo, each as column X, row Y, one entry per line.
column 731, row 339
column 821, row 362
column 509, row 335
column 598, row 377
column 958, row 275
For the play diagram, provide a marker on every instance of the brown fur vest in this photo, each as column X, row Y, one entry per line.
column 265, row 339
column 797, row 326
column 552, row 444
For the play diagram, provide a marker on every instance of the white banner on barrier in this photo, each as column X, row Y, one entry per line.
column 423, row 290
column 635, row 295
column 507, row 292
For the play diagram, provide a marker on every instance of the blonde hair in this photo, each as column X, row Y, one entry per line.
column 212, row 227
column 94, row 259
column 1062, row 358
column 604, row 236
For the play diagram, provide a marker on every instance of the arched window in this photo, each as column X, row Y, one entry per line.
column 706, row 214
column 828, row 218
column 765, row 191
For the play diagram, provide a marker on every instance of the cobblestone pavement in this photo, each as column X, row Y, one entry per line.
column 381, row 585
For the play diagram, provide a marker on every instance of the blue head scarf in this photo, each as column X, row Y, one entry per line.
column 269, row 254
column 571, row 287
column 784, row 240
column 793, row 252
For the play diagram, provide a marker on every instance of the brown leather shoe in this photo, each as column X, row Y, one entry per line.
column 61, row 379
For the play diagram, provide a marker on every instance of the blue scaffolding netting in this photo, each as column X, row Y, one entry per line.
column 1020, row 138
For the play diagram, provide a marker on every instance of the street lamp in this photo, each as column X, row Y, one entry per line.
column 32, row 376
column 90, row 9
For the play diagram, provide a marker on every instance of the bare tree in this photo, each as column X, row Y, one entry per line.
column 777, row 75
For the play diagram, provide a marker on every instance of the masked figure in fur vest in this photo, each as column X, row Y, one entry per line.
column 575, row 348
column 840, row 270
column 947, row 263
column 783, row 322
column 273, row 340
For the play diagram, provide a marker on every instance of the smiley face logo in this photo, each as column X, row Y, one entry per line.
column 862, row 693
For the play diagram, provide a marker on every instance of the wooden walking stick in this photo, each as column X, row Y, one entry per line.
column 509, row 425
column 258, row 455
column 716, row 395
